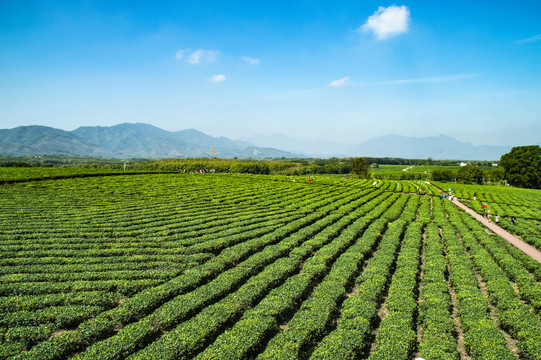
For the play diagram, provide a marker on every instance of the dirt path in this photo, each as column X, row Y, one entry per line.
column 521, row 245
column 406, row 169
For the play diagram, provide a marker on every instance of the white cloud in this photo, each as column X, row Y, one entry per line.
column 388, row 22
column 340, row 82
column 202, row 55
column 530, row 39
column 197, row 56
column 218, row 78
column 251, row 61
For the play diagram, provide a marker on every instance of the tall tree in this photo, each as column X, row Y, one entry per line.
column 360, row 168
column 470, row 174
column 523, row 166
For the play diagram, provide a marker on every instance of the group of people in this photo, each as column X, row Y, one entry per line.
column 497, row 217
column 450, row 197
column 489, row 217
column 201, row 171
column 489, row 214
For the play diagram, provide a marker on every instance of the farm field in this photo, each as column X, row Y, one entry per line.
column 224, row 266
column 522, row 204
column 389, row 168
column 23, row 174
column 400, row 172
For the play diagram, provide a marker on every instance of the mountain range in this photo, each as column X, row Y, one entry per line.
column 146, row 141
column 126, row 141
column 440, row 147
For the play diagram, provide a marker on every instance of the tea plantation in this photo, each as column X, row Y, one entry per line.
column 223, row 266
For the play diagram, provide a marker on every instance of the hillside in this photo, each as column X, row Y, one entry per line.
column 126, row 140
column 146, row 141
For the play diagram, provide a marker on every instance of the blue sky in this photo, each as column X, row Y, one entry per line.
column 338, row 70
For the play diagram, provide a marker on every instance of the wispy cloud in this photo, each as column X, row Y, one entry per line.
column 431, row 79
column 202, row 55
column 530, row 39
column 179, row 54
column 250, row 60
column 218, row 78
column 197, row 56
column 340, row 82
column 388, row 22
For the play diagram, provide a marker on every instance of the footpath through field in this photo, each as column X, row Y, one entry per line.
column 521, row 245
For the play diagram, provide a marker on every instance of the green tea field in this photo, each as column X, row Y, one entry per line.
column 224, row 266
column 522, row 204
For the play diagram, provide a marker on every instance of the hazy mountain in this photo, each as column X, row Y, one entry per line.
column 143, row 140
column 35, row 139
column 316, row 148
column 197, row 137
column 437, row 147
column 135, row 140
column 126, row 140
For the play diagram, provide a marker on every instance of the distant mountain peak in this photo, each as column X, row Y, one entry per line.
column 125, row 140
column 441, row 147
column 145, row 140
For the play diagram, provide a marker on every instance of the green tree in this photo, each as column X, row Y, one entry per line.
column 494, row 175
column 470, row 174
column 443, row 175
column 360, row 168
column 523, row 166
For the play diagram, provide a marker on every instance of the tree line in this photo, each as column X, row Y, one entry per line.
column 521, row 167
column 469, row 174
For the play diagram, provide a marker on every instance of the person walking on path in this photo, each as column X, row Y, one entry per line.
column 515, row 241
